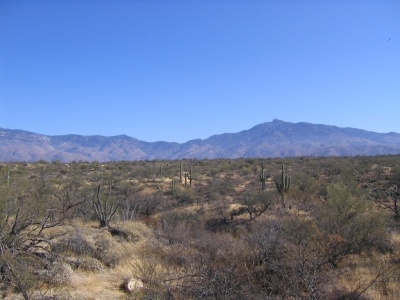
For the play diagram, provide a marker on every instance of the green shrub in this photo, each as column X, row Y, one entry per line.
column 350, row 223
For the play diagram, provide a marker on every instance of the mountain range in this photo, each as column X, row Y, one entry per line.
column 270, row 139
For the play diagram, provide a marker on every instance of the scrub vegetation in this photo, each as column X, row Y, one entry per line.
column 248, row 228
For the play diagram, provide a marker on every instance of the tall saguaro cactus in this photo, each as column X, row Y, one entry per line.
column 8, row 176
column 284, row 185
column 263, row 178
column 173, row 187
column 187, row 175
column 190, row 176
column 180, row 172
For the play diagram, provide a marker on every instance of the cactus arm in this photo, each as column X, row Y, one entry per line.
column 263, row 178
column 283, row 186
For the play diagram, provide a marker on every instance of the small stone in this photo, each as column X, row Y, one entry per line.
column 132, row 284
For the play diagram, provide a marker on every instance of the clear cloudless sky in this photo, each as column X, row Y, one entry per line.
column 179, row 70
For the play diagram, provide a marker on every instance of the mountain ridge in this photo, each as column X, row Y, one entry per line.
column 270, row 139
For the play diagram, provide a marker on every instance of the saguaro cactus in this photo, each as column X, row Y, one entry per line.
column 8, row 176
column 180, row 172
column 190, row 176
column 263, row 178
column 173, row 187
column 284, row 185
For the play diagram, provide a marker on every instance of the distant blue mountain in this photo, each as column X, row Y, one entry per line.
column 270, row 139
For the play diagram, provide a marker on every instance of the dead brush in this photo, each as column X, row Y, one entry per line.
column 96, row 244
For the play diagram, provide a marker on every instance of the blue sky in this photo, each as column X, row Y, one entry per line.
column 180, row 70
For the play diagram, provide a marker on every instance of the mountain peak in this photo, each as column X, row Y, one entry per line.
column 277, row 121
column 271, row 139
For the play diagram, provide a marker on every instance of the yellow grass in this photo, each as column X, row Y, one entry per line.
column 105, row 283
column 377, row 270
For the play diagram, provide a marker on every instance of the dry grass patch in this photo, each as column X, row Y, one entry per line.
column 395, row 238
column 101, row 260
column 103, row 285
column 88, row 247
column 372, row 276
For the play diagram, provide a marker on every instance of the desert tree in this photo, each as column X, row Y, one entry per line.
column 303, row 269
column 70, row 198
column 391, row 201
column 350, row 223
column 148, row 204
column 106, row 200
column 26, row 212
column 255, row 204
column 129, row 208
